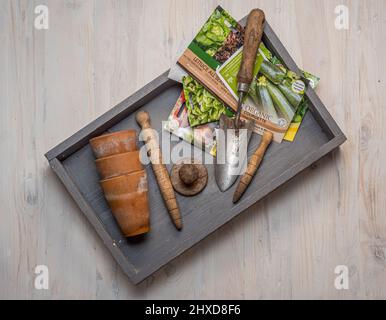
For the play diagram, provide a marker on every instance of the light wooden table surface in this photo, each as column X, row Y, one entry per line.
column 95, row 54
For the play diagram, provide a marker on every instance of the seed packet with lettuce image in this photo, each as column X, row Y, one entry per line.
column 217, row 40
column 202, row 106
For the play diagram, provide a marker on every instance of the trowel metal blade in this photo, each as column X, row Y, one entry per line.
column 231, row 155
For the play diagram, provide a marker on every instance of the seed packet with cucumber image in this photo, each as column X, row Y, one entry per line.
column 302, row 109
column 275, row 92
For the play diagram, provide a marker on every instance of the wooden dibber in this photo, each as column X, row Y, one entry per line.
column 253, row 165
column 159, row 168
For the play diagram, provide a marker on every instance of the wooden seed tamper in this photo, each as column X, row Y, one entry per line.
column 189, row 177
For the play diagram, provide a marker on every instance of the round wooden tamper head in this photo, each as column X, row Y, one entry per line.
column 189, row 177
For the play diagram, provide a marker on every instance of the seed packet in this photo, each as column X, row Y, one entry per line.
column 202, row 106
column 302, row 109
column 274, row 95
column 217, row 40
column 202, row 136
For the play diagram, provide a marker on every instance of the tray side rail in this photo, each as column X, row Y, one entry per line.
column 109, row 118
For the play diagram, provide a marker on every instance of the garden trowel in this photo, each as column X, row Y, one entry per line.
column 234, row 134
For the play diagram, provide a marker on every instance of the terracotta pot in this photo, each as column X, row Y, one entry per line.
column 128, row 183
column 131, row 211
column 128, row 200
column 118, row 164
column 124, row 181
column 114, row 143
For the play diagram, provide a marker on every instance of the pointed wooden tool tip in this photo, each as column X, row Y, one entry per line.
column 236, row 197
column 178, row 224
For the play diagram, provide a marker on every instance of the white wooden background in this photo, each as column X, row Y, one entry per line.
column 95, row 54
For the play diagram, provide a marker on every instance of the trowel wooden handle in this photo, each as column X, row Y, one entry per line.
column 159, row 168
column 252, row 39
column 253, row 165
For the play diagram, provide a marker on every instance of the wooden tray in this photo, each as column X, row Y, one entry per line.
column 73, row 162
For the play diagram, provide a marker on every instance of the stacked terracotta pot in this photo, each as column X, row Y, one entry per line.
column 123, row 180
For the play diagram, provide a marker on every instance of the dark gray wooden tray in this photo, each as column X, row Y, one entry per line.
column 73, row 162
